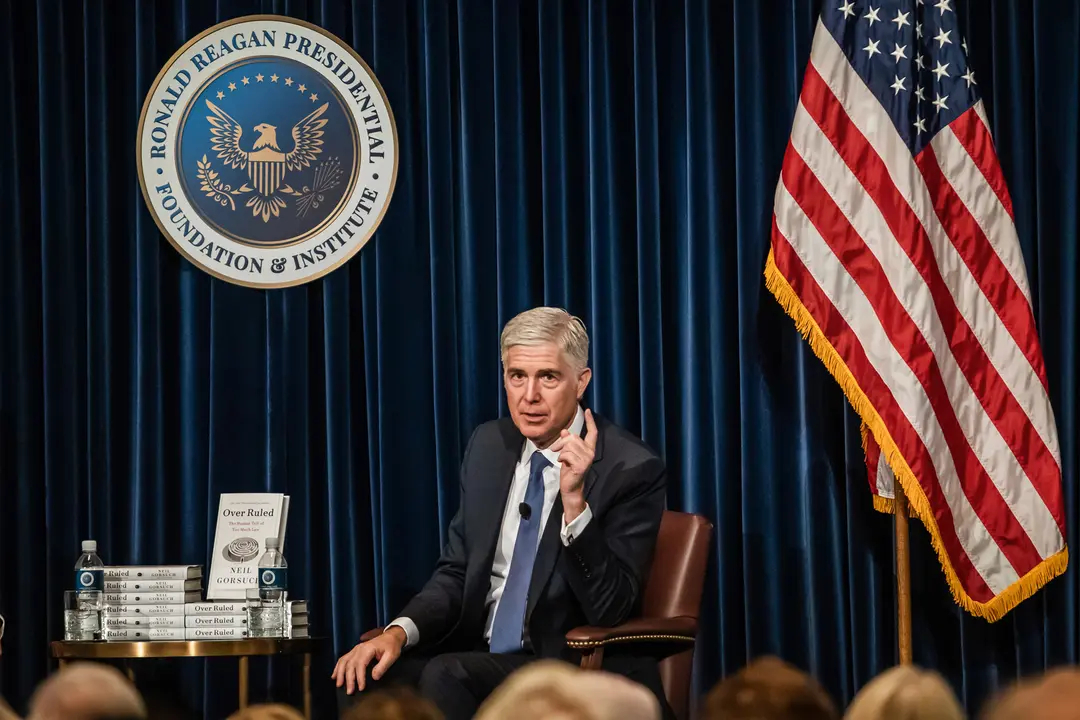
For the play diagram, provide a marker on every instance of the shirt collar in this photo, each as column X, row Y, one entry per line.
column 553, row 457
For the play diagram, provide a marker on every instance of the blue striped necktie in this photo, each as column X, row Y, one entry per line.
column 509, row 623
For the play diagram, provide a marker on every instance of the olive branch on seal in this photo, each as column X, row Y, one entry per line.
column 327, row 176
column 214, row 188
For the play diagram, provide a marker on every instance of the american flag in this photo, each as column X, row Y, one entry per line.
column 894, row 250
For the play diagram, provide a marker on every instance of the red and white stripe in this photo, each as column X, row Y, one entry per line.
column 912, row 270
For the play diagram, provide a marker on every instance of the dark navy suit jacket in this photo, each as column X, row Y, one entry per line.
column 597, row 580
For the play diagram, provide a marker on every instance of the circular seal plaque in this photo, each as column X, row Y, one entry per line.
column 267, row 151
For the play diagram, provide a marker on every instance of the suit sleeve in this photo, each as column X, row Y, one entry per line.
column 437, row 607
column 607, row 563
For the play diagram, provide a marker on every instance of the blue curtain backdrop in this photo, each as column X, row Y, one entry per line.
column 617, row 158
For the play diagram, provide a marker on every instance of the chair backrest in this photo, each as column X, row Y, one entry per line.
column 674, row 590
column 678, row 569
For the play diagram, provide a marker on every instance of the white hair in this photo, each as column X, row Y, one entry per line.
column 905, row 693
column 543, row 325
column 548, row 689
column 86, row 690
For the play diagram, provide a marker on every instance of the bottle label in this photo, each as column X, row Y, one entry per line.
column 273, row 578
column 87, row 579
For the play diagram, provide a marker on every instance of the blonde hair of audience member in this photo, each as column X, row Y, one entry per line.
column 1053, row 696
column 905, row 693
column 553, row 690
column 86, row 691
column 267, row 711
column 393, row 704
column 769, row 689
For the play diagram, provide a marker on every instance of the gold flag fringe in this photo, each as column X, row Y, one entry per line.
column 919, row 506
column 882, row 504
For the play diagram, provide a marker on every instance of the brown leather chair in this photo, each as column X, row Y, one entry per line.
column 669, row 614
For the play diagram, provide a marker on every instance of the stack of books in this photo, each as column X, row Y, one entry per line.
column 164, row 602
column 296, row 619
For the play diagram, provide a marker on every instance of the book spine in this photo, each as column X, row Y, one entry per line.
column 144, row 610
column 216, row 608
column 150, row 585
column 148, row 598
column 218, row 633
column 142, row 621
column 197, row 621
column 130, row 634
column 152, row 572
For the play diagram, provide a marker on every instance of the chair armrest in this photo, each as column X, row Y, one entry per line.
column 662, row 630
column 371, row 634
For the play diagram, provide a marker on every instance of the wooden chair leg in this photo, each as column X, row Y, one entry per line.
column 592, row 658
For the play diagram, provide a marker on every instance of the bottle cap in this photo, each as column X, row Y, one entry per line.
column 89, row 546
column 272, row 543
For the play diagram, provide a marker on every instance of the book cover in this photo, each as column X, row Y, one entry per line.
column 244, row 522
column 153, row 572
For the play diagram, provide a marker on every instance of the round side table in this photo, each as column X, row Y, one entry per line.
column 241, row 649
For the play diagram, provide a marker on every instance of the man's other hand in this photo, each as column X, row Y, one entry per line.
column 351, row 668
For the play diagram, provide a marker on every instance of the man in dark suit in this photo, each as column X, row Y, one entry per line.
column 556, row 528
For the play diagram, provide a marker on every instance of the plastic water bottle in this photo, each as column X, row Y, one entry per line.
column 273, row 586
column 89, row 570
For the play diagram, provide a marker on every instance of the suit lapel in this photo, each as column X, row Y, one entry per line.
column 551, row 541
column 498, row 477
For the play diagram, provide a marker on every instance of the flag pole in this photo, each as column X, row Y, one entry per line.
column 903, row 577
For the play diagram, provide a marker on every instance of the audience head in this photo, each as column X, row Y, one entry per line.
column 553, row 690
column 393, row 704
column 545, row 356
column 86, row 691
column 905, row 693
column 1054, row 696
column 769, row 689
column 267, row 711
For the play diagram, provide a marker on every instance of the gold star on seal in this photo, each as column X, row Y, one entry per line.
column 288, row 81
column 273, row 78
column 245, row 81
column 220, row 95
column 314, row 97
column 259, row 77
column 302, row 88
column 232, row 86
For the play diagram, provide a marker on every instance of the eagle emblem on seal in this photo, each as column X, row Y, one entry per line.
column 266, row 163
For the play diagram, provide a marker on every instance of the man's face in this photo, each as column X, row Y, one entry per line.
column 542, row 390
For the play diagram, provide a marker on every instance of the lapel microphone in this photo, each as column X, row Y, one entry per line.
column 525, row 511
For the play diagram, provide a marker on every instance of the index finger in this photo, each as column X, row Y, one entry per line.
column 590, row 437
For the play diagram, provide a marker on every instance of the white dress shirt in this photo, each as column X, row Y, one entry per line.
column 504, row 549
